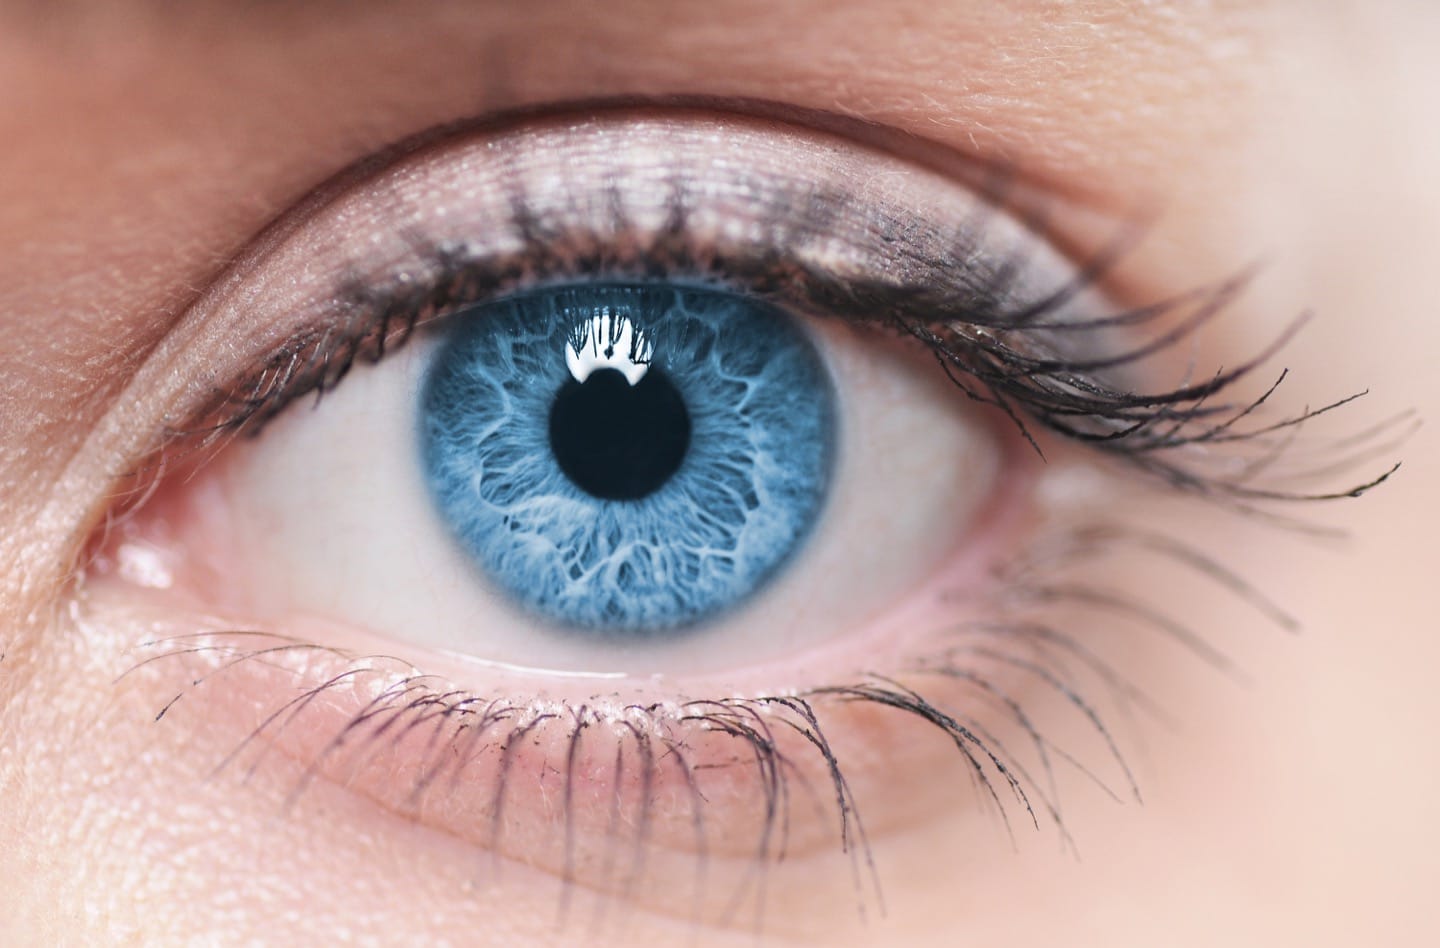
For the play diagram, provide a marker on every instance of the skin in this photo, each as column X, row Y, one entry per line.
column 156, row 143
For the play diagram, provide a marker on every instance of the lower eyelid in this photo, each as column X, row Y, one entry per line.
column 692, row 779
column 993, row 705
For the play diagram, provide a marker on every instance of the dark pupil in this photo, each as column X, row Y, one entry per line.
column 617, row 441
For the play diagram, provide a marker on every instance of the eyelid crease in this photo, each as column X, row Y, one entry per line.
column 890, row 258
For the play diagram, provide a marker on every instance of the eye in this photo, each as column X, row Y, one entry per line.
column 671, row 461
column 640, row 444
column 735, row 504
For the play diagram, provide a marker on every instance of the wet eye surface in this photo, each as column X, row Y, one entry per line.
column 627, row 460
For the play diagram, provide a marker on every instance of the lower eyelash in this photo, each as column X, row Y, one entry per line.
column 1012, row 765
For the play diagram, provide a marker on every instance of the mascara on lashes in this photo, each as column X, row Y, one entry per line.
column 800, row 219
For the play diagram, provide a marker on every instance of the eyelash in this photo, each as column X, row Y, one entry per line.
column 459, row 728
column 1018, row 357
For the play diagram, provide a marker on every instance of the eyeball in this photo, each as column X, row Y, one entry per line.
column 770, row 483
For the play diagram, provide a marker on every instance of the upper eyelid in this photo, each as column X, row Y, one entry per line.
column 1082, row 384
column 1000, row 180
column 845, row 247
column 244, row 315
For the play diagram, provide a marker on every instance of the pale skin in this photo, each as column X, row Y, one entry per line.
column 147, row 148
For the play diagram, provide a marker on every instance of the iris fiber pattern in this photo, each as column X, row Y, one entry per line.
column 753, row 433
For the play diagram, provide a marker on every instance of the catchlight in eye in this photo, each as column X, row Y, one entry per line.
column 627, row 459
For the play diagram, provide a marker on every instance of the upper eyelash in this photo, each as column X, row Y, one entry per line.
column 998, row 350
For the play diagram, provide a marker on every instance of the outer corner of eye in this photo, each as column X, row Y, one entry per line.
column 634, row 502
column 637, row 457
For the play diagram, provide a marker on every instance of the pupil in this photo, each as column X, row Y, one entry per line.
column 618, row 441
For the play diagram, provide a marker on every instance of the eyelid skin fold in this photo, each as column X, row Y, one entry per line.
column 810, row 221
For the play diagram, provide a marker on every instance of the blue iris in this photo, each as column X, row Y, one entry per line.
column 627, row 459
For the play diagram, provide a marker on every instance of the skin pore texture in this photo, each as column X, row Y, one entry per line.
column 1289, row 808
